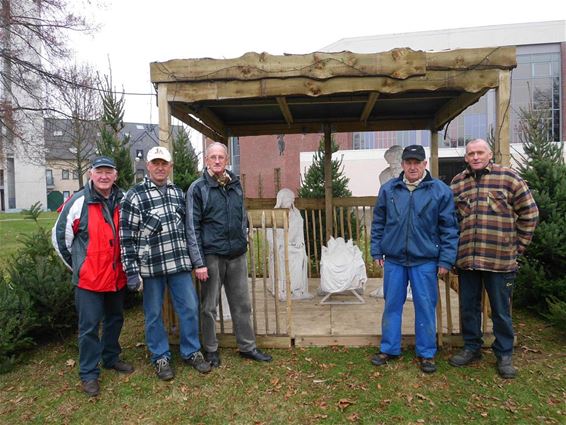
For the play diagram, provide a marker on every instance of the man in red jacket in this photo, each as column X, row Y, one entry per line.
column 86, row 237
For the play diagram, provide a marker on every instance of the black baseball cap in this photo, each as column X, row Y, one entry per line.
column 414, row 152
column 103, row 161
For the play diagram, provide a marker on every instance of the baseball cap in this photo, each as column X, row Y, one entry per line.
column 103, row 161
column 158, row 152
column 414, row 152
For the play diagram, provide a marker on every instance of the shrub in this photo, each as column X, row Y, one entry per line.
column 17, row 319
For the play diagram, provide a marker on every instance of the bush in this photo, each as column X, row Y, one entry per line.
column 17, row 319
column 36, row 270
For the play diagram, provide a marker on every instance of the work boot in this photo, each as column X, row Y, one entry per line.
column 465, row 357
column 505, row 367
column 197, row 361
column 381, row 359
column 122, row 367
column 212, row 357
column 163, row 369
column 91, row 388
column 257, row 355
column 427, row 365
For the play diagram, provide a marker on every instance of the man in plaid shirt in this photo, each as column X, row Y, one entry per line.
column 154, row 248
column 497, row 216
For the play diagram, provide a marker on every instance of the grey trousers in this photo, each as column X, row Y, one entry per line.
column 233, row 274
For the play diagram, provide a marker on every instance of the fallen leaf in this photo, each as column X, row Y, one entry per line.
column 344, row 403
column 354, row 417
column 71, row 363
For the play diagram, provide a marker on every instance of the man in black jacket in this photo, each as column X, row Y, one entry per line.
column 216, row 226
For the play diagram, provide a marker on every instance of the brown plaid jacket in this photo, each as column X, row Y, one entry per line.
column 497, row 216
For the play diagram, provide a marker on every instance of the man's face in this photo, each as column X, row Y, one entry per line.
column 414, row 169
column 478, row 155
column 216, row 160
column 159, row 170
column 103, row 178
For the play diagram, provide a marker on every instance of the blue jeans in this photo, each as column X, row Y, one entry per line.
column 185, row 303
column 94, row 308
column 424, row 284
column 499, row 287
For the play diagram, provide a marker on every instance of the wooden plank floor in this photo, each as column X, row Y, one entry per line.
column 358, row 323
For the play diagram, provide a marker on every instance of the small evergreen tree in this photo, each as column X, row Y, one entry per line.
column 185, row 160
column 111, row 144
column 541, row 282
column 313, row 184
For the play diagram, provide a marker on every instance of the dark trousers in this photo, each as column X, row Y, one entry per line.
column 94, row 309
column 499, row 287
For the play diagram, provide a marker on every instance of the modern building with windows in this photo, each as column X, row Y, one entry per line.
column 538, row 82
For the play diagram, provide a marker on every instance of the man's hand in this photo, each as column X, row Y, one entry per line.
column 379, row 262
column 202, row 273
column 135, row 282
column 442, row 271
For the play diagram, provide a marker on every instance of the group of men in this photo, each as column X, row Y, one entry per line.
column 422, row 228
column 151, row 239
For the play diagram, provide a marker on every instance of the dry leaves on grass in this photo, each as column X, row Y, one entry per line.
column 344, row 403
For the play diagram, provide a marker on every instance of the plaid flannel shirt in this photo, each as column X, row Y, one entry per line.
column 152, row 230
column 497, row 216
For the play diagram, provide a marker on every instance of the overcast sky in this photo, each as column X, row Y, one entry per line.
column 135, row 33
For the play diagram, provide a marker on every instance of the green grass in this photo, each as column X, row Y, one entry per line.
column 332, row 385
column 14, row 225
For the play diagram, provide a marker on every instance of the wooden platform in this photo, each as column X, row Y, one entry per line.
column 349, row 324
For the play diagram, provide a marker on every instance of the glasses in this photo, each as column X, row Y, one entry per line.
column 217, row 157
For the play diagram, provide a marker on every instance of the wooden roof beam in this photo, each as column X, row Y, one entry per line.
column 282, row 102
column 455, row 107
column 369, row 106
column 183, row 115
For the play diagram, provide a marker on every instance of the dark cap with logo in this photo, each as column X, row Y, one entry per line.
column 103, row 161
column 414, row 152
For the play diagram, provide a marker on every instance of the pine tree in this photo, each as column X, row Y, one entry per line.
column 313, row 184
column 185, row 160
column 541, row 282
column 111, row 144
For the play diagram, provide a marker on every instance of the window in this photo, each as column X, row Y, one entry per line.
column 139, row 155
column 57, row 133
column 65, row 175
column 66, row 195
column 75, row 175
column 49, row 177
column 364, row 140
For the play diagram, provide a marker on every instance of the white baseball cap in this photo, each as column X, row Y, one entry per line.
column 158, row 152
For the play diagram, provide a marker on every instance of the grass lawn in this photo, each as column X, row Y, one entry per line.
column 14, row 225
column 331, row 385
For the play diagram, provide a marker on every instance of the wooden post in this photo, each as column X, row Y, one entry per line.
column 328, row 181
column 434, row 153
column 164, row 117
column 502, row 152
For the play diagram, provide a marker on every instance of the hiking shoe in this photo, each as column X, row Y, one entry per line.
column 212, row 357
column 197, row 361
column 465, row 357
column 427, row 365
column 122, row 367
column 91, row 388
column 163, row 369
column 505, row 367
column 381, row 359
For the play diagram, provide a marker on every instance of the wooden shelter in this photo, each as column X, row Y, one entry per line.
column 402, row 89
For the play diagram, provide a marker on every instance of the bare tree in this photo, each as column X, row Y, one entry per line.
column 33, row 36
column 77, row 135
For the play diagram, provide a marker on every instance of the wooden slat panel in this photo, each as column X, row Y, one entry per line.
column 271, row 216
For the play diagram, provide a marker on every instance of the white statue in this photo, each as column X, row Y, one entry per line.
column 393, row 158
column 298, row 260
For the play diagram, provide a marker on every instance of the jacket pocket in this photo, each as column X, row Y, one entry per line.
column 152, row 224
column 497, row 201
column 464, row 206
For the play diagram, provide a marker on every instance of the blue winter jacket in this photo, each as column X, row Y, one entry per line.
column 413, row 228
column 216, row 220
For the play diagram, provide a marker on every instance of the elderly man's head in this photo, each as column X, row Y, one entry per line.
column 216, row 158
column 478, row 154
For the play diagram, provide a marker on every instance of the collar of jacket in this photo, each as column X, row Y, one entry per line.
column 92, row 196
column 150, row 184
column 399, row 180
column 212, row 181
column 469, row 172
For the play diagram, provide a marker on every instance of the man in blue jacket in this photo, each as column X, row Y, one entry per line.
column 216, row 225
column 414, row 237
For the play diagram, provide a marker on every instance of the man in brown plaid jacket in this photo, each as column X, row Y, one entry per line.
column 497, row 216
